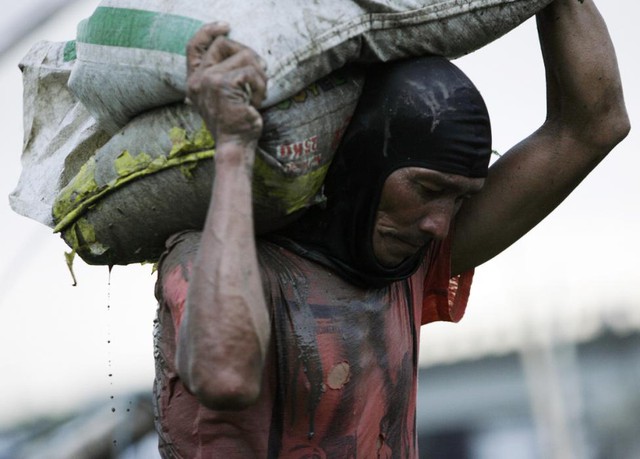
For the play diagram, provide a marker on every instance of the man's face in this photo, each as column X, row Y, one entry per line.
column 417, row 205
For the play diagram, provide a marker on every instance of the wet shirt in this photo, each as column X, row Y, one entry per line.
column 340, row 379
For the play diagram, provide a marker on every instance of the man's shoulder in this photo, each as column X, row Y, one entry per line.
column 279, row 258
column 284, row 266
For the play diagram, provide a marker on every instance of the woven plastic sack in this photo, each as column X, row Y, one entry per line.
column 59, row 133
column 154, row 177
column 131, row 53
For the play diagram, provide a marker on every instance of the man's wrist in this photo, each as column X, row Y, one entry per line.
column 235, row 153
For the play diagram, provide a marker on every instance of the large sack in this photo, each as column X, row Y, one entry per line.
column 154, row 177
column 131, row 53
column 59, row 133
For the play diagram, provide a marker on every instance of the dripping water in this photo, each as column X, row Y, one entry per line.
column 109, row 352
column 113, row 409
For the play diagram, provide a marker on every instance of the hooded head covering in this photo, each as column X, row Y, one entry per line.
column 421, row 112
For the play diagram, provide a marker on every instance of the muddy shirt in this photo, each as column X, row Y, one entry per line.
column 340, row 379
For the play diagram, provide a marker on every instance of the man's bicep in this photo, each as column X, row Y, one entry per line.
column 522, row 188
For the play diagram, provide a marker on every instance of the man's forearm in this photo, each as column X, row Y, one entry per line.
column 224, row 335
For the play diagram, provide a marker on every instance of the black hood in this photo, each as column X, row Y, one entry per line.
column 421, row 112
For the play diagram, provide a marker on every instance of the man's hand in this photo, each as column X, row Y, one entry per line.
column 227, row 83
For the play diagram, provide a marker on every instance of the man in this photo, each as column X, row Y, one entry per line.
column 304, row 343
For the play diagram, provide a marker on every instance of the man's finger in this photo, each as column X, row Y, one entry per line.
column 221, row 49
column 201, row 42
column 240, row 57
column 248, row 84
column 253, row 86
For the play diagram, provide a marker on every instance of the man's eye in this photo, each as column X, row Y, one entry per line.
column 427, row 192
column 430, row 189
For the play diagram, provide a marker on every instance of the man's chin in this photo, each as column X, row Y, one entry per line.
column 394, row 260
column 397, row 250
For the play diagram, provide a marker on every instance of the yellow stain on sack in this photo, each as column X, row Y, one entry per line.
column 81, row 237
column 187, row 170
column 82, row 187
column 87, row 234
column 188, row 148
column 182, row 142
column 272, row 186
column 70, row 205
column 126, row 164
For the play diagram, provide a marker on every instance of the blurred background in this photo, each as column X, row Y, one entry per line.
column 546, row 363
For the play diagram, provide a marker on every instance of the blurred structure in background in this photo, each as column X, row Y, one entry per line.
column 565, row 399
column 25, row 17
column 572, row 399
column 121, row 430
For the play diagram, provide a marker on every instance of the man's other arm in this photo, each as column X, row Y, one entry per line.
column 586, row 119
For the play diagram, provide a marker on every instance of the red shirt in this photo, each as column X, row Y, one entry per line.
column 340, row 380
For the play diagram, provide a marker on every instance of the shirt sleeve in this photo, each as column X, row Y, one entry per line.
column 174, row 268
column 444, row 297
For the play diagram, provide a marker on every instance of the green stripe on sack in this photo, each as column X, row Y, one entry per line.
column 69, row 53
column 130, row 28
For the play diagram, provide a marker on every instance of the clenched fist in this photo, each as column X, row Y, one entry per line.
column 227, row 82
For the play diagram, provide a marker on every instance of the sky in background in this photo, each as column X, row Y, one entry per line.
column 62, row 346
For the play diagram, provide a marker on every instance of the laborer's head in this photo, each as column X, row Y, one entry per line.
column 417, row 205
column 418, row 144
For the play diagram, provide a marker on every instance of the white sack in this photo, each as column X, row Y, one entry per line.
column 59, row 133
column 131, row 52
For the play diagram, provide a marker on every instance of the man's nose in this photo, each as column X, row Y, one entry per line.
column 437, row 221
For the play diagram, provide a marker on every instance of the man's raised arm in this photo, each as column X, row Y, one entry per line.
column 586, row 118
column 224, row 334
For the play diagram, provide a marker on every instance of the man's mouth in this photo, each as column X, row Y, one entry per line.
column 414, row 244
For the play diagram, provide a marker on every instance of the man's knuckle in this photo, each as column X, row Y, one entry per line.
column 192, row 84
column 213, row 79
column 249, row 55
